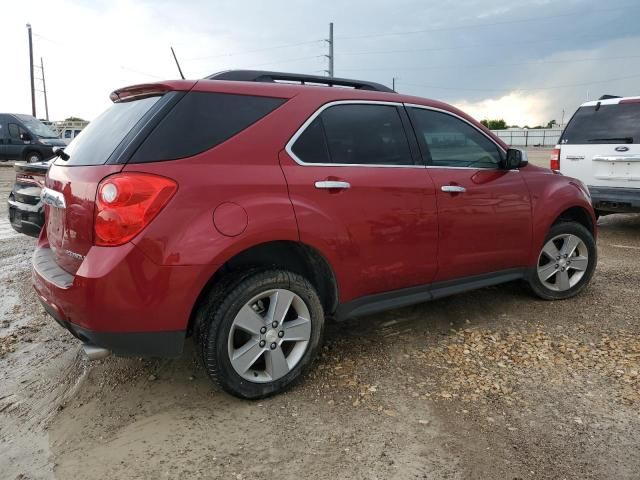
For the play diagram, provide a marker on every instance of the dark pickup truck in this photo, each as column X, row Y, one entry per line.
column 26, row 210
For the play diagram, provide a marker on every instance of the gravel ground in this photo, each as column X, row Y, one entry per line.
column 488, row 384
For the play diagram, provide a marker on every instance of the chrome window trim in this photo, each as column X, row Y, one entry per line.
column 289, row 146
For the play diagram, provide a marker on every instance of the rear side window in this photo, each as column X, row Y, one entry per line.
column 355, row 134
column 618, row 123
column 104, row 134
column 311, row 146
column 200, row 121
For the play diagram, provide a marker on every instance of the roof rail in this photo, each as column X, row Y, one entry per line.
column 607, row 97
column 264, row 76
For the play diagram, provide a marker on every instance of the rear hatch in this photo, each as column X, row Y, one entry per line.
column 101, row 150
column 601, row 144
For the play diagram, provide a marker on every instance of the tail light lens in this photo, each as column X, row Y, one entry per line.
column 126, row 203
column 555, row 159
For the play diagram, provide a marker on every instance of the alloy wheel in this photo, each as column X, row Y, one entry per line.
column 269, row 335
column 563, row 261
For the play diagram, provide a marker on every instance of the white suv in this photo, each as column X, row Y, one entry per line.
column 601, row 147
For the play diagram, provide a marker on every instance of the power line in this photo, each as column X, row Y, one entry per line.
column 266, row 49
column 479, row 46
column 486, row 24
column 274, row 63
column 484, row 65
column 435, row 87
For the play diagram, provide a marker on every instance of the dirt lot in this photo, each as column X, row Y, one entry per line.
column 489, row 384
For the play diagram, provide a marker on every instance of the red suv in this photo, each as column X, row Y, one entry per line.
column 244, row 209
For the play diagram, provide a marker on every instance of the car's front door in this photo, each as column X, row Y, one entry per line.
column 362, row 197
column 4, row 137
column 484, row 211
column 15, row 145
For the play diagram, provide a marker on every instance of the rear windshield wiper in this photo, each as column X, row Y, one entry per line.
column 612, row 139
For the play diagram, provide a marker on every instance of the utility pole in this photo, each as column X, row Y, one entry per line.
column 33, row 88
column 393, row 84
column 330, row 56
column 176, row 59
column 44, row 90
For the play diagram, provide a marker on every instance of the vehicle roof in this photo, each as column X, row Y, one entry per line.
column 611, row 101
column 317, row 93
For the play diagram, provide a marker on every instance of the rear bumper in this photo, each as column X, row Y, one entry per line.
column 145, row 344
column 613, row 199
column 119, row 299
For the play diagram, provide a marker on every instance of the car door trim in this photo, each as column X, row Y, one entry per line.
column 404, row 297
column 289, row 146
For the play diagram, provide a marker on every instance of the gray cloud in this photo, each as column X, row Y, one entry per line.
column 464, row 51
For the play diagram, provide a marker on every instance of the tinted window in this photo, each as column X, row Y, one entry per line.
column 201, row 121
column 618, row 123
column 104, row 134
column 311, row 146
column 452, row 142
column 366, row 134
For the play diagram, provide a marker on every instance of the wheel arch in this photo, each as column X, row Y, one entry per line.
column 577, row 214
column 290, row 255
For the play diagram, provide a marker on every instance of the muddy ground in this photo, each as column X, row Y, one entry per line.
column 488, row 384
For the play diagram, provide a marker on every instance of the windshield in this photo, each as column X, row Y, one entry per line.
column 617, row 123
column 103, row 135
column 36, row 127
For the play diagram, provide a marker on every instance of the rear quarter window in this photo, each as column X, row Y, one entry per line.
column 105, row 133
column 200, row 121
column 617, row 123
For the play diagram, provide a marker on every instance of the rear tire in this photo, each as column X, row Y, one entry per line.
column 254, row 336
column 32, row 157
column 566, row 262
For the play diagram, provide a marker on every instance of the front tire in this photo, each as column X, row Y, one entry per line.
column 261, row 332
column 566, row 262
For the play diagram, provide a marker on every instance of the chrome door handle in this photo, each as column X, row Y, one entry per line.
column 453, row 189
column 330, row 184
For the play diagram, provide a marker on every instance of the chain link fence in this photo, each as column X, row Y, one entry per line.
column 539, row 137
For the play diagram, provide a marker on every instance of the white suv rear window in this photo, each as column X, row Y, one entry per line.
column 617, row 123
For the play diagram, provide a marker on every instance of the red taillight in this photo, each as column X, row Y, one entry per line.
column 555, row 159
column 126, row 203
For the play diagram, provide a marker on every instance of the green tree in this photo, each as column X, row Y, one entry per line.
column 494, row 124
column 74, row 119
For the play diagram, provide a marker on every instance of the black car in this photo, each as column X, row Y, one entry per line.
column 26, row 210
column 23, row 137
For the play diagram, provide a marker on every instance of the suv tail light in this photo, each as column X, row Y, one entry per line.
column 555, row 159
column 126, row 203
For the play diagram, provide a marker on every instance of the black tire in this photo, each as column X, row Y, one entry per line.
column 32, row 157
column 585, row 235
column 215, row 320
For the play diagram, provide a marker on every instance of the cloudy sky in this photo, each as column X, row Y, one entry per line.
column 524, row 61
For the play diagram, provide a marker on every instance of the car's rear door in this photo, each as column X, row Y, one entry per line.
column 484, row 211
column 601, row 144
column 362, row 198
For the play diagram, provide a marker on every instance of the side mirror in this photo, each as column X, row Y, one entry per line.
column 25, row 137
column 515, row 159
